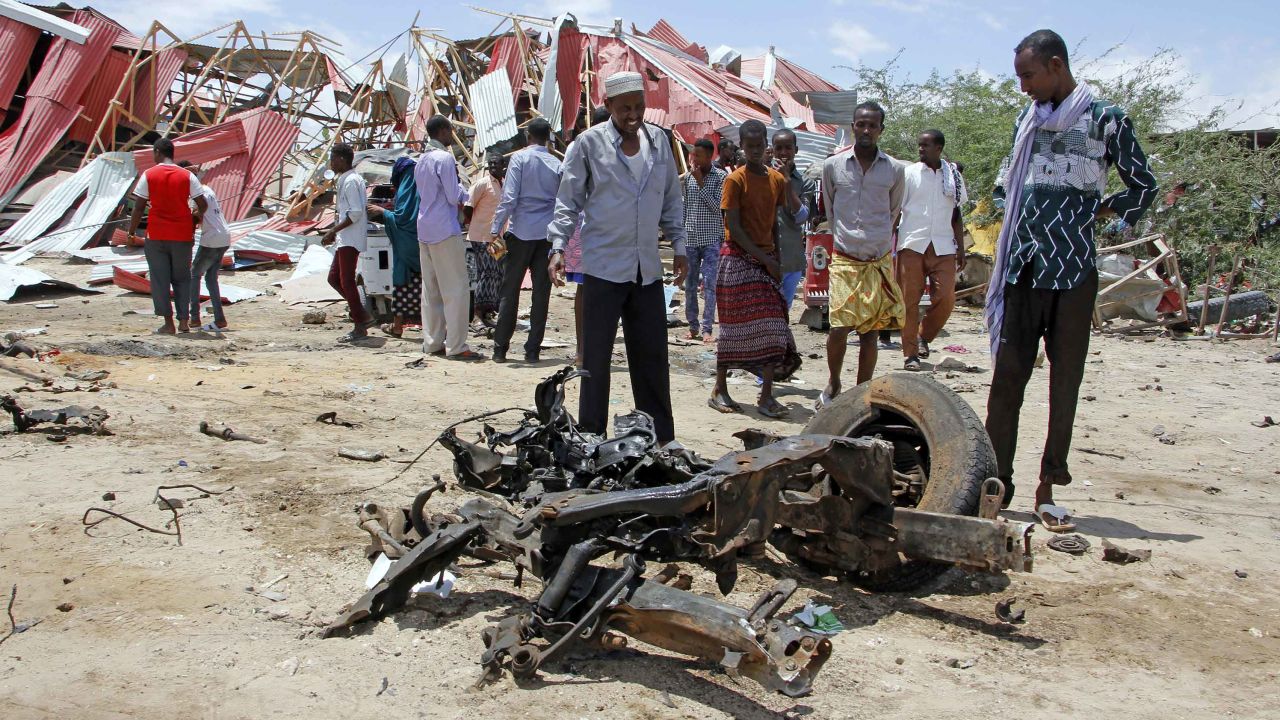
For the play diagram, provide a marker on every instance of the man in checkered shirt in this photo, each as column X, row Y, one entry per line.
column 704, row 229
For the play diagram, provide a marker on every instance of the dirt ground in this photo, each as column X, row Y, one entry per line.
column 130, row 624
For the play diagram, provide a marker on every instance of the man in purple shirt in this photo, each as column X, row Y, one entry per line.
column 445, row 289
column 529, row 202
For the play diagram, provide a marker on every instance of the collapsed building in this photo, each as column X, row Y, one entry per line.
column 82, row 98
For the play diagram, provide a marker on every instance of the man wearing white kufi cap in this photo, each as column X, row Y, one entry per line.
column 621, row 177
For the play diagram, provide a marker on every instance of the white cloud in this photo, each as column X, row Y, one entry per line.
column 853, row 42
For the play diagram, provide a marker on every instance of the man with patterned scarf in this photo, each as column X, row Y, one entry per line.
column 1045, row 280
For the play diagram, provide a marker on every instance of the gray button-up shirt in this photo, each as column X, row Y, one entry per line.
column 528, row 194
column 791, row 240
column 621, row 215
column 861, row 205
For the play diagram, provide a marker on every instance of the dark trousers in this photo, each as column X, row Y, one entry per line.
column 342, row 277
column 523, row 255
column 642, row 309
column 169, row 269
column 206, row 264
column 1062, row 318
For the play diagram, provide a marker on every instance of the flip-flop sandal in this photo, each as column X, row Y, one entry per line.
column 722, row 407
column 467, row 356
column 912, row 364
column 1054, row 518
column 386, row 330
column 353, row 336
column 211, row 327
column 775, row 410
column 823, row 401
column 924, row 350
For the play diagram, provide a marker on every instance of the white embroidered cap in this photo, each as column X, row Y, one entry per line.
column 622, row 83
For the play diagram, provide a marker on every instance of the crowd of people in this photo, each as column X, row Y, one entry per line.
column 737, row 223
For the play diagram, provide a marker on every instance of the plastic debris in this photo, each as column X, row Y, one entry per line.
column 819, row 619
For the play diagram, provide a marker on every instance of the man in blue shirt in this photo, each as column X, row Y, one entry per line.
column 528, row 202
column 621, row 177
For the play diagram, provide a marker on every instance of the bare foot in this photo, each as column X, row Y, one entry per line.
column 708, row 339
column 183, row 326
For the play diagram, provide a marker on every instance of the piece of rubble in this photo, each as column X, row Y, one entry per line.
column 361, row 454
column 951, row 363
column 1241, row 574
column 314, row 317
column 1265, row 422
column 1116, row 554
column 1070, row 544
column 290, row 666
column 1006, row 613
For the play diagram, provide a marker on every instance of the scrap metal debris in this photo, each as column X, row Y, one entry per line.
column 1006, row 613
column 1070, row 544
column 93, row 419
column 160, row 501
column 227, row 433
column 331, row 418
column 1116, row 554
column 556, row 502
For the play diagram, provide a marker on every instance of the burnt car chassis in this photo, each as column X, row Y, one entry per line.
column 555, row 502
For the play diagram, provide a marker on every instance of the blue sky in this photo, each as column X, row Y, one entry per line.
column 1229, row 49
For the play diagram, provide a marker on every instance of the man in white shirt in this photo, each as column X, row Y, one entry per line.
column 930, row 245
column 212, row 243
column 352, row 232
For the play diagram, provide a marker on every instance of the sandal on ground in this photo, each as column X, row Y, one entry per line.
column 719, row 405
column 1055, row 518
column 823, row 401
column 924, row 349
column 772, row 409
column 912, row 364
column 212, row 326
column 354, row 336
column 467, row 356
column 386, row 330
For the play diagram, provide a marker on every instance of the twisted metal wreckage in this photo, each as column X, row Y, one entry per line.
column 555, row 501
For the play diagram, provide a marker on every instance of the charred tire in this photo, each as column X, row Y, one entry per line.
column 1243, row 305
column 959, row 458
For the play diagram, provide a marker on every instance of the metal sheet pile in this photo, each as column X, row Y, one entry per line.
column 587, row 514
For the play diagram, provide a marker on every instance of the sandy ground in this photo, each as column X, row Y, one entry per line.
column 151, row 628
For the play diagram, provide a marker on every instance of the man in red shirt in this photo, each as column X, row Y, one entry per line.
column 171, row 228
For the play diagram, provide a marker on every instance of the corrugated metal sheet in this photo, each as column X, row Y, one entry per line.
column 493, row 108
column 273, row 241
column 202, row 146
column 833, row 108
column 50, row 208
column 150, row 85
column 662, row 31
column 36, row 18
column 51, row 105
column 507, row 54
column 13, row 278
column 811, row 147
column 105, row 189
column 270, row 136
column 17, row 40
column 788, row 76
column 98, row 96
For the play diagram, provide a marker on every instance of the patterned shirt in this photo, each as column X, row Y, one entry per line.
column 703, row 220
column 1063, row 191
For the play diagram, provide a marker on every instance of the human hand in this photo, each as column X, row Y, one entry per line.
column 555, row 268
column 961, row 261
column 680, row 264
column 374, row 212
column 328, row 237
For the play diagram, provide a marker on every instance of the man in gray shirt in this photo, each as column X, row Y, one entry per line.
column 793, row 216
column 862, row 191
column 621, row 177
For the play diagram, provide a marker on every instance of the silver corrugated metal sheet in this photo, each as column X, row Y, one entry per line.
column 52, row 206
column 106, row 186
column 274, row 241
column 494, row 110
column 104, row 272
column 830, row 108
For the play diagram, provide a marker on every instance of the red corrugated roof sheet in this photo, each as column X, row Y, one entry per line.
column 52, row 105
column 788, row 76
column 17, row 40
column 662, row 31
column 97, row 98
column 506, row 53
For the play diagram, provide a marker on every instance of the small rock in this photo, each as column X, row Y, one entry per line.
column 290, row 666
column 273, row 596
column 314, row 317
column 665, row 697
column 961, row 664
column 1090, row 398
column 1116, row 554
column 1211, row 490
column 108, row 496
column 66, row 607
column 170, row 503
column 1120, row 496
column 1158, row 431
column 1255, row 632
column 1241, row 574
column 898, row 661
column 1166, row 440
column 68, row 580
column 278, row 613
